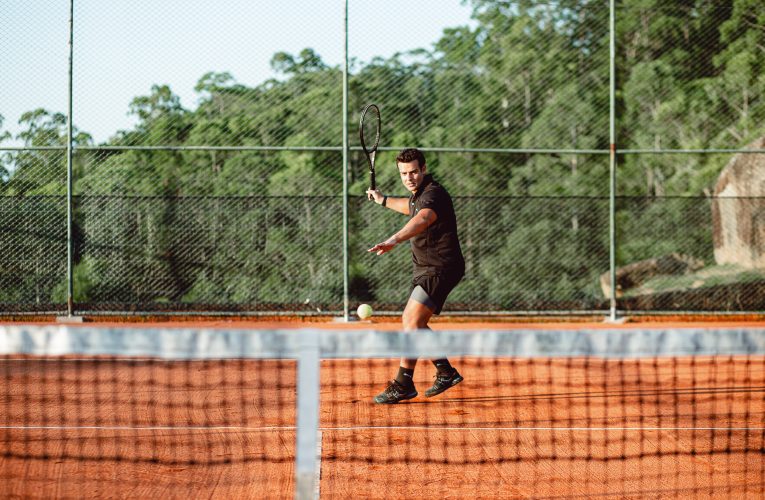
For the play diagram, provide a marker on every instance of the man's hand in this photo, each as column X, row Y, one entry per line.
column 384, row 247
column 375, row 194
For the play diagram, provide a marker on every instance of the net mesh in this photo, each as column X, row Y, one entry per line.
column 91, row 412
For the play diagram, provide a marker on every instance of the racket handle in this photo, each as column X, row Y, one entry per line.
column 372, row 184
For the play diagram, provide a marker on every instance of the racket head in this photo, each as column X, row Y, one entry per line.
column 369, row 136
column 369, row 129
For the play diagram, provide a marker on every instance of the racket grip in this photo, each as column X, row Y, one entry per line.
column 372, row 184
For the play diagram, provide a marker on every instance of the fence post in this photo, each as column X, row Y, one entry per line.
column 346, row 265
column 612, row 162
column 69, row 201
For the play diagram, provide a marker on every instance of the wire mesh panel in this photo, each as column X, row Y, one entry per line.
column 33, row 180
column 688, row 74
column 231, row 74
column 148, row 247
column 691, row 78
column 677, row 256
column 679, row 252
column 33, row 46
column 537, row 254
column 34, row 236
column 524, row 75
column 212, row 121
column 526, row 246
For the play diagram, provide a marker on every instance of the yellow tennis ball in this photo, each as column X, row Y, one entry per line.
column 364, row 311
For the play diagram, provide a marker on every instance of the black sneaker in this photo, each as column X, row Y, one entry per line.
column 395, row 392
column 443, row 382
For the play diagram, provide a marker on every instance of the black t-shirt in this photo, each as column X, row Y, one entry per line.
column 437, row 249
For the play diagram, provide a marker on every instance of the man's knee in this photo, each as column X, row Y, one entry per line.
column 412, row 323
column 415, row 316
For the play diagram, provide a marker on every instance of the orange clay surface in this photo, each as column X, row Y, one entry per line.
column 562, row 428
column 392, row 322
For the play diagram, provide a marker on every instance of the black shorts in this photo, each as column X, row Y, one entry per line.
column 432, row 289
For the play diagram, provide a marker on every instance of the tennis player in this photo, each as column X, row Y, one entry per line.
column 438, row 264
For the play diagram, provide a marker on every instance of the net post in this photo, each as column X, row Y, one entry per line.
column 307, row 416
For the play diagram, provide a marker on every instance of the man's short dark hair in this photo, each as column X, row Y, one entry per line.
column 409, row 155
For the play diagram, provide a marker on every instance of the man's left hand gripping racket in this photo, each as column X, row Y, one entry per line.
column 369, row 134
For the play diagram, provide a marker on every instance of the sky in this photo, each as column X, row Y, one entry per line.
column 122, row 48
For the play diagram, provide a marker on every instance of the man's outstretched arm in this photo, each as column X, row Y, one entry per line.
column 415, row 226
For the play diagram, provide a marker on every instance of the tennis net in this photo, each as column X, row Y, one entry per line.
column 613, row 413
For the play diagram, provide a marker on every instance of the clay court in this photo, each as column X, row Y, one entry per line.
column 566, row 427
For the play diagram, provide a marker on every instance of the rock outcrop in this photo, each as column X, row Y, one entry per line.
column 738, row 210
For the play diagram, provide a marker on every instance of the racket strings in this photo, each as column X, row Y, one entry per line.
column 370, row 129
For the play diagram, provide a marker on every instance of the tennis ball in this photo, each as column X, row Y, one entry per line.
column 364, row 311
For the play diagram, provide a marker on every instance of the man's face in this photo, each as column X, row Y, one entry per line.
column 411, row 175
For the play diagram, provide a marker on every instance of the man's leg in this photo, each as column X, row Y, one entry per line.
column 416, row 316
column 423, row 306
column 417, row 313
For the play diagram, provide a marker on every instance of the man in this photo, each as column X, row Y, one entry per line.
column 438, row 264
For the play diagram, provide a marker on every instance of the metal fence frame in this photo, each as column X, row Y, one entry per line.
column 613, row 153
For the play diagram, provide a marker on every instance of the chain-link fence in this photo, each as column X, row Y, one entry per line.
column 231, row 197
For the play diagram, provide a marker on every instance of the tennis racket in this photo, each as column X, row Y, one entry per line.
column 369, row 134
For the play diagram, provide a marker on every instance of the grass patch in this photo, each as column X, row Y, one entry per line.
column 708, row 277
